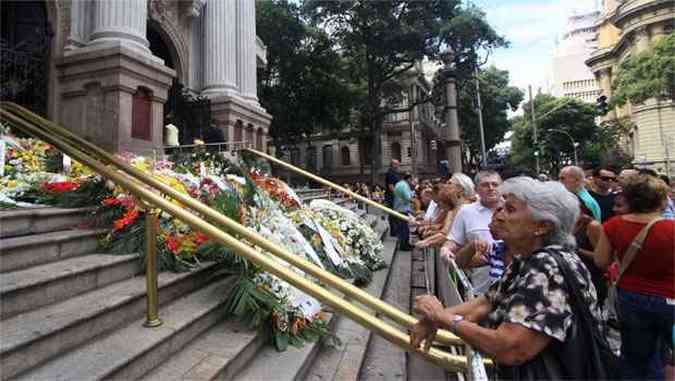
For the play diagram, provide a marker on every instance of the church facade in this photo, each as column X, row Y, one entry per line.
column 105, row 68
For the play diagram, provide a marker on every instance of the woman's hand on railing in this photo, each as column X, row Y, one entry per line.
column 428, row 307
column 447, row 254
column 424, row 331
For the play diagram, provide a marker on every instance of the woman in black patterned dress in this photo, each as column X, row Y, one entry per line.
column 524, row 321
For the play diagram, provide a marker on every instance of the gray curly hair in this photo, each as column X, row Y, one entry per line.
column 547, row 201
column 465, row 182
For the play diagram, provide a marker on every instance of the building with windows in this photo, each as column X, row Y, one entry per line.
column 623, row 28
column 105, row 68
column 412, row 137
column 570, row 76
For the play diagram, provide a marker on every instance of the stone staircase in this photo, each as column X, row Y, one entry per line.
column 71, row 313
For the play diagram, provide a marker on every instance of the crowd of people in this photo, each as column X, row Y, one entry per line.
column 551, row 262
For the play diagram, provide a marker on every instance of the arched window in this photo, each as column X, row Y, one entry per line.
column 259, row 139
column 396, row 151
column 295, row 156
column 346, row 157
column 327, row 153
column 311, row 158
column 238, row 131
column 249, row 135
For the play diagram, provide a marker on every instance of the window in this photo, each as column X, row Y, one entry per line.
column 396, row 151
column 327, row 153
column 346, row 159
column 141, row 111
column 238, row 131
column 311, row 158
column 295, row 156
column 259, row 139
column 249, row 135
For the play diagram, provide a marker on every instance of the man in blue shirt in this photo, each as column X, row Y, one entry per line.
column 403, row 204
column 391, row 178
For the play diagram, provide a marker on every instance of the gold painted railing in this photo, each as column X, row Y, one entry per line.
column 137, row 183
column 329, row 184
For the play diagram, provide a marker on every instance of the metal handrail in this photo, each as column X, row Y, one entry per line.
column 129, row 178
column 475, row 368
column 475, row 365
column 330, row 184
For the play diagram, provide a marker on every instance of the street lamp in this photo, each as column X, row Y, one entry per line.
column 574, row 144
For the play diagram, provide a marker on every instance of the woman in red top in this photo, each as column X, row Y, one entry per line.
column 646, row 300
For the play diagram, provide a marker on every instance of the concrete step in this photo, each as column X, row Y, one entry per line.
column 25, row 290
column 380, row 360
column 269, row 364
column 344, row 362
column 26, row 221
column 133, row 350
column 31, row 338
column 17, row 253
column 208, row 358
column 247, row 356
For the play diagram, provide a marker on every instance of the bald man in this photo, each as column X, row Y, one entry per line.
column 574, row 179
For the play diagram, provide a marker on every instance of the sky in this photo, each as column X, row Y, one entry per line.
column 531, row 26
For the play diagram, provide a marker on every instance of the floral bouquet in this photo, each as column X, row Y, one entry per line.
column 359, row 237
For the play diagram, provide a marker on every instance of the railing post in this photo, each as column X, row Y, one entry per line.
column 151, row 316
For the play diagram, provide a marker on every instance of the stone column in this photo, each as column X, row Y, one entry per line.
column 121, row 22
column 246, row 59
column 454, row 146
column 79, row 24
column 220, row 42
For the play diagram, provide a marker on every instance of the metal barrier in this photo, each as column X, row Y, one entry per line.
column 458, row 290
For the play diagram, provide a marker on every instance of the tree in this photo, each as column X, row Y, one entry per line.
column 497, row 97
column 386, row 39
column 304, row 85
column 648, row 74
column 556, row 119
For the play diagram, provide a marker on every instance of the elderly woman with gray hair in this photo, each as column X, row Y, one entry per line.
column 451, row 197
column 541, row 319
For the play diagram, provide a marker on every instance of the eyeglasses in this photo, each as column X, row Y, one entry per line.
column 607, row 178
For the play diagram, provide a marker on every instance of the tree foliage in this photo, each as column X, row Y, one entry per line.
column 305, row 85
column 555, row 117
column 647, row 74
column 386, row 39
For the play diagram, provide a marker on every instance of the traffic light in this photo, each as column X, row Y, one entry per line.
column 434, row 145
column 601, row 105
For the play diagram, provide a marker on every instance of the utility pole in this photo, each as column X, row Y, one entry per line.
column 480, row 121
column 534, row 130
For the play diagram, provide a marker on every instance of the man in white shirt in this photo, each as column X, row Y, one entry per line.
column 472, row 223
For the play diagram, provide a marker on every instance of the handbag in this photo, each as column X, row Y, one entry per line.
column 633, row 249
column 585, row 354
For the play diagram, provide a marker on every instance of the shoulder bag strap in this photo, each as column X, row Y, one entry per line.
column 634, row 247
